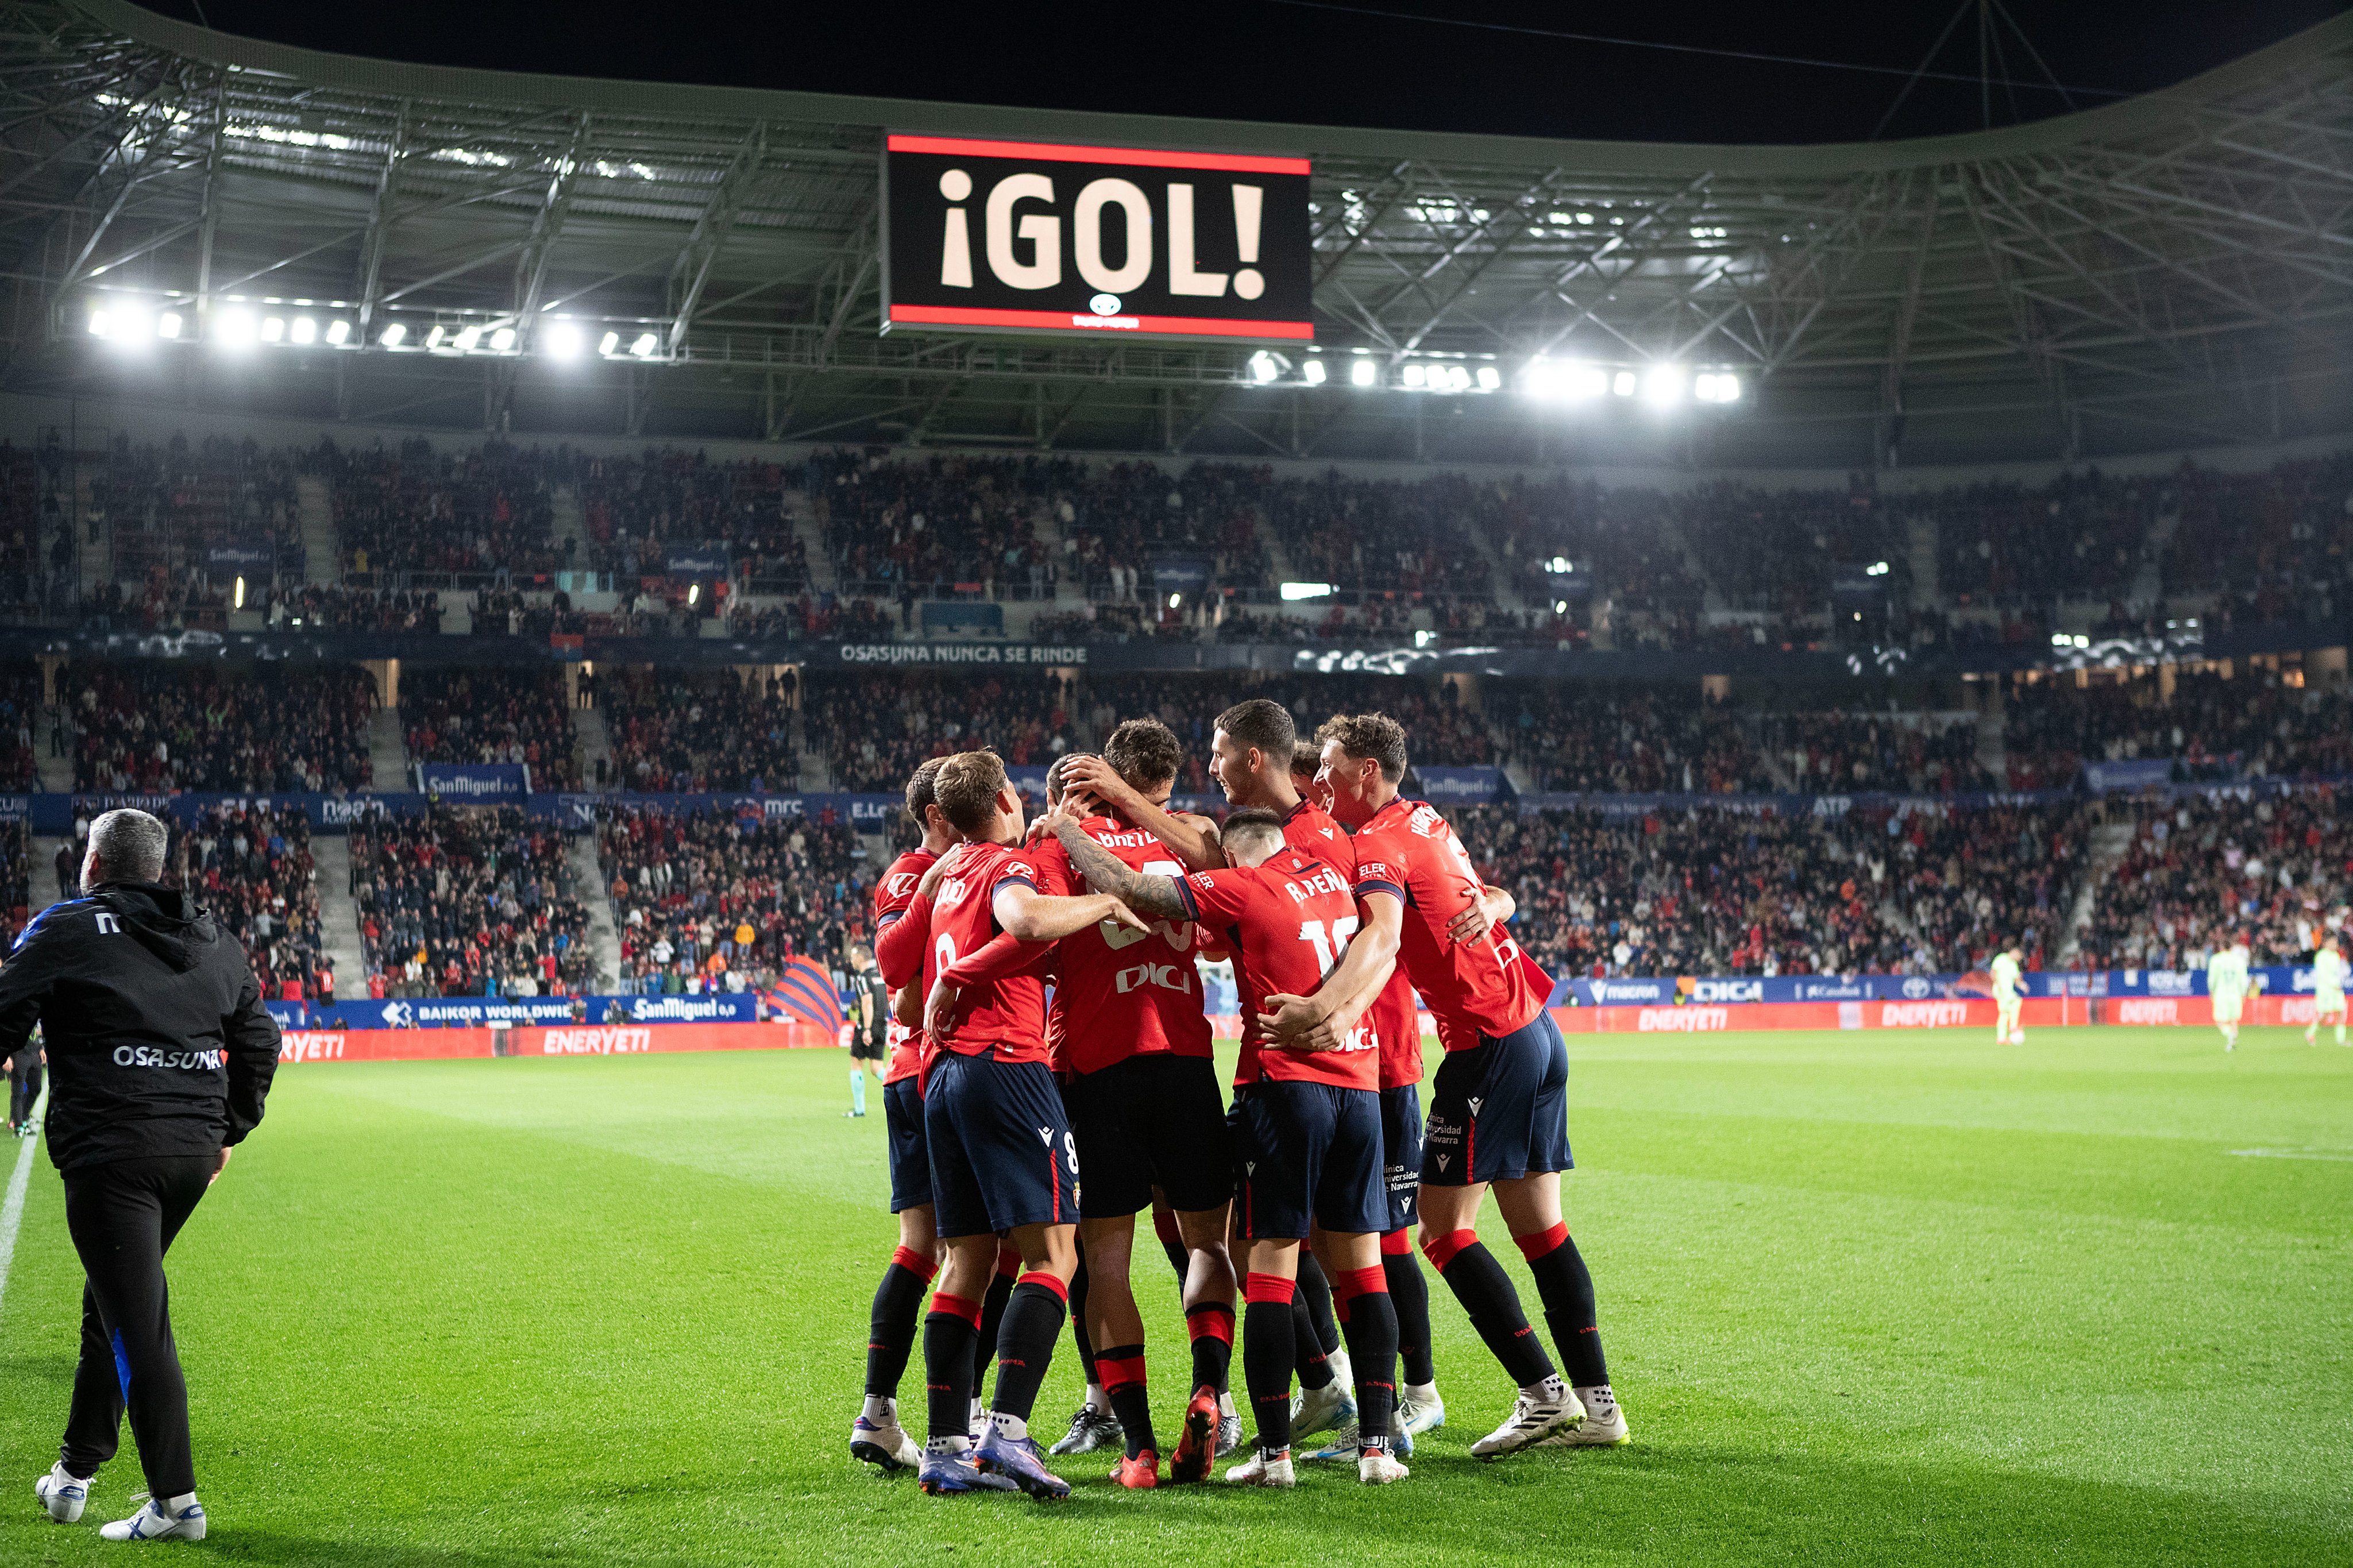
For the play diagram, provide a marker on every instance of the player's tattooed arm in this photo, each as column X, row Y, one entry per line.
column 1152, row 895
column 1193, row 839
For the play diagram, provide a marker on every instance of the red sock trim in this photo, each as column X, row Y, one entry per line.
column 1164, row 1226
column 1535, row 1244
column 956, row 1307
column 1351, row 1283
column 1210, row 1321
column 1396, row 1244
column 1441, row 1249
column 1271, row 1287
column 1058, row 1286
column 1124, row 1373
column 915, row 1263
column 1008, row 1261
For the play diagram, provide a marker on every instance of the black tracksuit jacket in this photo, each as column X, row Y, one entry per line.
column 157, row 1038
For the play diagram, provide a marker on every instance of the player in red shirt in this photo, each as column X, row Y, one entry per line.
column 1251, row 752
column 1498, row 1112
column 1003, row 1160
column 1306, row 1124
column 1145, row 1107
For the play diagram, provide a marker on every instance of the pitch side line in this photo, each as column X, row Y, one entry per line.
column 12, row 1210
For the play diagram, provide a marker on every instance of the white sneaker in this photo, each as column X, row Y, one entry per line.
column 1258, row 1471
column 884, row 1443
column 1604, row 1425
column 181, row 1518
column 1420, row 1413
column 62, row 1493
column 1316, row 1410
column 1534, row 1418
column 1378, row 1468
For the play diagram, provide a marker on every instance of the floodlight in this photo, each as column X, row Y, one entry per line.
column 693, row 592
column 100, row 324
column 169, row 324
column 1663, row 385
column 1295, row 590
column 467, row 338
column 306, row 331
column 433, row 339
column 130, row 324
column 1490, row 378
column 612, row 340
column 645, row 345
column 1876, row 568
column 2059, row 640
column 1458, row 378
column 1266, row 367
column 1561, row 564
column 233, row 328
column 1312, row 372
column 1622, row 383
column 2083, row 641
column 339, row 332
column 394, row 336
column 1586, row 381
column 1412, row 376
column 1363, row 373
column 1727, row 388
column 273, row 328
column 1560, row 607
column 503, row 339
column 1174, row 600
column 561, row 339
column 237, row 599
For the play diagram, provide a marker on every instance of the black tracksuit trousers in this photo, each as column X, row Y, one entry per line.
column 123, row 1216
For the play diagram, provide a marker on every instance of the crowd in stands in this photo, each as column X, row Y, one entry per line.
column 717, row 901
column 174, row 510
column 15, row 877
column 310, row 607
column 1830, row 752
column 2278, row 543
column 2002, row 542
column 1633, row 739
column 251, row 866
column 641, row 510
column 410, row 508
column 20, row 723
column 468, row 901
column 2205, row 867
column 161, row 727
column 492, row 716
column 2252, row 726
column 37, row 550
column 875, row 728
column 700, row 730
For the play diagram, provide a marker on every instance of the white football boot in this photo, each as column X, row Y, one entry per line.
column 177, row 1518
column 1535, row 1416
column 62, row 1493
column 1604, row 1425
column 1258, row 1470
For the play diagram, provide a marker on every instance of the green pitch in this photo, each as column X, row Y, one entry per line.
column 1868, row 1298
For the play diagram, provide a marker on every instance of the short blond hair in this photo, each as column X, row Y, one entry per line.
column 968, row 788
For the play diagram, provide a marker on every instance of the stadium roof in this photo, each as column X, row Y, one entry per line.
column 2172, row 270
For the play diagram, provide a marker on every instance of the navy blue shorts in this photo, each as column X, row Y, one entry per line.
column 1307, row 1152
column 1499, row 1111
column 1002, row 1155
column 1151, row 1120
column 911, row 1157
column 1401, row 1151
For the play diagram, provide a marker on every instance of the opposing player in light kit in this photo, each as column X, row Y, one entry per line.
column 1143, row 1094
column 1498, row 1108
column 2227, row 980
column 2008, row 996
column 2327, row 990
column 1003, row 1160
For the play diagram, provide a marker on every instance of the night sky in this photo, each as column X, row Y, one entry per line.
column 1340, row 63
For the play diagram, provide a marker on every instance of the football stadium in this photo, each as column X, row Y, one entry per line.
column 680, row 711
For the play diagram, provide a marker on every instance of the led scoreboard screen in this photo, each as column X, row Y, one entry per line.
column 1032, row 236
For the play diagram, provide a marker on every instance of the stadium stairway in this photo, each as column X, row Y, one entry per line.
column 2149, row 582
column 46, row 890
column 592, row 743
column 322, row 549
column 593, row 890
column 1922, row 538
column 55, row 774
column 387, row 751
column 2110, row 841
column 339, row 915
column 566, row 524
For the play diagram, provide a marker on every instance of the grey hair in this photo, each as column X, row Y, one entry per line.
column 130, row 845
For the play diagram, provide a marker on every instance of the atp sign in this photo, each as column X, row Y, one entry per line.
column 1039, row 237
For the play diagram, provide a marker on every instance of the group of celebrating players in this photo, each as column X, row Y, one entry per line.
column 1337, row 901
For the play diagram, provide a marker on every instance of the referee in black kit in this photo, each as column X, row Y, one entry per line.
column 160, row 1055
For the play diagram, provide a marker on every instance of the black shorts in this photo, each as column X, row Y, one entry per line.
column 1401, row 1151
column 1002, row 1154
column 866, row 1049
column 1151, row 1120
column 1499, row 1110
column 1307, row 1152
column 910, row 1156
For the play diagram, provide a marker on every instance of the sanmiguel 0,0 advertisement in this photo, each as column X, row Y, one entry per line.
column 1039, row 237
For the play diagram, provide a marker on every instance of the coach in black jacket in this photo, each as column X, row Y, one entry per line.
column 160, row 1055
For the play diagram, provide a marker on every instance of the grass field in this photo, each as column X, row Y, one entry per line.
column 1868, row 1298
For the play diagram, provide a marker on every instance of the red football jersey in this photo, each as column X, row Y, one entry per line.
column 1120, row 992
column 1007, row 1016
column 893, row 894
column 1409, row 851
column 1287, row 924
column 1397, row 1025
column 1313, row 831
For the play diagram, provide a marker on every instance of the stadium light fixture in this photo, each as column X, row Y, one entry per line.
column 100, row 322
column 234, row 329
column 1293, row 592
column 169, row 324
column 1490, row 378
column 612, row 341
column 645, row 346
column 306, row 331
column 1622, row 383
column 1561, row 565
column 1413, row 375
column 339, row 332
column 433, row 339
column 503, row 339
column 1363, row 373
column 694, row 592
column 273, row 328
column 1560, row 607
column 1266, row 367
column 1312, row 372
column 466, row 339
column 394, row 336
column 1663, row 385
column 236, row 600
column 1175, row 601
column 1876, row 568
column 563, row 340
